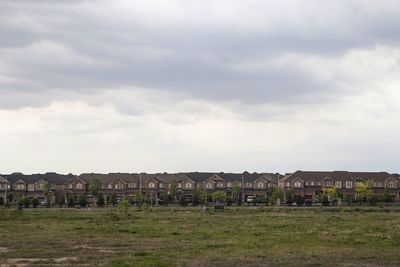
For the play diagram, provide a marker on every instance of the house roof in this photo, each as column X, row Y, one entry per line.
column 337, row 176
column 109, row 178
column 51, row 177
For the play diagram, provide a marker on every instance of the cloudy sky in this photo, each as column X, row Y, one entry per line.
column 185, row 85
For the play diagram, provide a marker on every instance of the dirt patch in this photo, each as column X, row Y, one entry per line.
column 99, row 249
column 21, row 262
column 3, row 249
column 65, row 259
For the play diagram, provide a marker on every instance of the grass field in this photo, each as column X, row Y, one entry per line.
column 261, row 236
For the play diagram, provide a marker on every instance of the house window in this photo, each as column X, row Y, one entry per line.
column 312, row 183
column 209, row 185
column 20, row 186
column 392, row 184
column 249, row 185
column 229, row 185
column 131, row 185
column 306, row 183
column 220, row 185
column 70, row 186
column 161, row 185
column 297, row 184
column 119, row 186
column 328, row 183
column 319, row 183
column 378, row 184
column 338, row 184
column 349, row 184
column 79, row 186
column 287, row 184
column 260, row 185
column 41, row 186
column 188, row 185
column 109, row 186
column 152, row 185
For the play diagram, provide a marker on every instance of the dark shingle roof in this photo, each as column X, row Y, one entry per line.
column 337, row 175
column 109, row 178
column 51, row 177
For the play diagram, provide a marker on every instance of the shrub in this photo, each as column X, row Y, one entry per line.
column 35, row 202
column 71, row 202
column 386, row 197
column 183, row 201
column 289, row 197
column 299, row 199
column 325, row 200
column 114, row 200
column 228, row 200
column 100, row 200
column 267, row 200
column 82, row 201
column 25, row 202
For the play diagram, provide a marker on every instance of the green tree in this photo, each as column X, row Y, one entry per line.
column 290, row 196
column 228, row 200
column 47, row 192
column 276, row 193
column 139, row 199
column 82, row 201
column 114, row 200
column 100, row 200
column 24, row 201
column 236, row 192
column 201, row 195
column 219, row 196
column 35, row 202
column 94, row 187
column 386, row 196
column 173, row 189
column 123, row 206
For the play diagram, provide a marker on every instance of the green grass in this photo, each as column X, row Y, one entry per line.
column 261, row 236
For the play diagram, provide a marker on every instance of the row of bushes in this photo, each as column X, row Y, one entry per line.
column 27, row 202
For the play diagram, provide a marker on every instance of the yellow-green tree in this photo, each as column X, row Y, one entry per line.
column 219, row 196
column 364, row 191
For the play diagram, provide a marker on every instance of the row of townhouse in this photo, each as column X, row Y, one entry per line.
column 306, row 183
column 129, row 184
column 311, row 183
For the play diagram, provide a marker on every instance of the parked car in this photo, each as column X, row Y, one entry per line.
column 250, row 199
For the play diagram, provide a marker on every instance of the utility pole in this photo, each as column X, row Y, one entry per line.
column 5, row 193
column 243, row 200
column 140, row 185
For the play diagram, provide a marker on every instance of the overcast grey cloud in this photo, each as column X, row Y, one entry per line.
column 212, row 85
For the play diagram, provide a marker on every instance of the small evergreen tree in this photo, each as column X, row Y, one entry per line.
column 114, row 200
column 82, row 201
column 290, row 197
column 35, row 202
column 100, row 200
column 124, row 206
